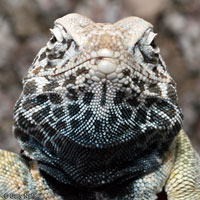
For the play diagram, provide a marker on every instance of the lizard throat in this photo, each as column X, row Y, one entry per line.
column 93, row 140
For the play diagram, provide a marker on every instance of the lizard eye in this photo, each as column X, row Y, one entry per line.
column 150, row 39
column 57, row 35
column 148, row 48
column 53, row 39
column 60, row 46
column 60, row 39
column 153, row 44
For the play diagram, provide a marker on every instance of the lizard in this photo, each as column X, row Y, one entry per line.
column 98, row 119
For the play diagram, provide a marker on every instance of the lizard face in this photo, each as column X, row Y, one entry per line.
column 82, row 54
column 96, row 101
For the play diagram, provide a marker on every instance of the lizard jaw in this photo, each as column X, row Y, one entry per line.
column 106, row 66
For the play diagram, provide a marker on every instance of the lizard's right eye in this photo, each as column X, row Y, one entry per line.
column 53, row 39
column 153, row 44
column 57, row 34
column 148, row 48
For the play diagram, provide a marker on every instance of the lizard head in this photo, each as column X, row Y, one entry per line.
column 97, row 94
column 82, row 54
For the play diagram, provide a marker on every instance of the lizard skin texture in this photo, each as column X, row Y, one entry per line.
column 98, row 119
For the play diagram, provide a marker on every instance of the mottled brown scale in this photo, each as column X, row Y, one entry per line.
column 126, row 72
column 52, row 56
column 83, row 70
column 49, row 66
column 71, row 79
column 51, row 86
column 37, row 70
column 155, row 89
column 42, row 56
column 30, row 87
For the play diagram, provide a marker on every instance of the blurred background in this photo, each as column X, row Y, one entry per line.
column 24, row 29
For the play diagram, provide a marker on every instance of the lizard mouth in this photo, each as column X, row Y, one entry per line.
column 103, row 65
column 104, row 68
column 97, row 69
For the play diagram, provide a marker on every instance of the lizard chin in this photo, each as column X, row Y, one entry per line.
column 101, row 136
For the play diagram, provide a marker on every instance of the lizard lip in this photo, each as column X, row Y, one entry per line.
column 103, row 65
column 106, row 66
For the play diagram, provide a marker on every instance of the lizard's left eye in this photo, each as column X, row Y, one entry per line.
column 149, row 39
column 53, row 39
column 153, row 44
column 148, row 48
column 57, row 35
